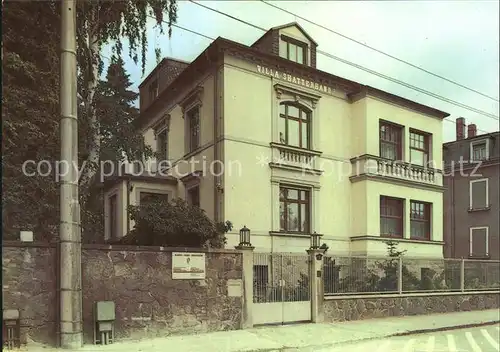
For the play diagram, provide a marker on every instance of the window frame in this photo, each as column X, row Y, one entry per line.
column 399, row 144
column 307, row 121
column 487, row 245
column 486, row 180
column 287, row 201
column 427, row 145
column 401, row 217
column 158, row 143
column 153, row 89
column 113, row 216
column 194, row 140
column 428, row 221
column 188, row 195
column 154, row 192
column 486, row 143
column 299, row 45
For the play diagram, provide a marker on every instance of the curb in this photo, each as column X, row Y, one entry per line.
column 406, row 333
column 446, row 328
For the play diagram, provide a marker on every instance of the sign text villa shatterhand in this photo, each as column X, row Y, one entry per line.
column 295, row 80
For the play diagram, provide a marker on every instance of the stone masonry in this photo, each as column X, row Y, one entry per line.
column 149, row 303
column 29, row 284
column 138, row 279
column 380, row 307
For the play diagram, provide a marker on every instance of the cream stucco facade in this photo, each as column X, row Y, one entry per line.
column 341, row 170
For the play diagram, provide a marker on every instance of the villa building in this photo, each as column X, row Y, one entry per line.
column 471, row 198
column 288, row 150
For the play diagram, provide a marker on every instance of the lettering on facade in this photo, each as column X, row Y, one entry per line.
column 293, row 79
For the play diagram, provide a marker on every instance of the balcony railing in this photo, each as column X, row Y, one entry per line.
column 298, row 158
column 373, row 165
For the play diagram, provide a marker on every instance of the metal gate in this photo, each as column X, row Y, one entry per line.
column 282, row 292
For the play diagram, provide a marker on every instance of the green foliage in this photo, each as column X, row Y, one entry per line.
column 30, row 116
column 117, row 112
column 30, row 104
column 174, row 224
column 383, row 277
column 112, row 21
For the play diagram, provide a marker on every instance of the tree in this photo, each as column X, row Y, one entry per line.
column 104, row 22
column 30, row 121
column 30, row 108
column 116, row 111
column 174, row 224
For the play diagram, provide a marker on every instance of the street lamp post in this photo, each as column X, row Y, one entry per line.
column 245, row 237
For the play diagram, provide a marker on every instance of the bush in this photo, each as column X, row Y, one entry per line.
column 174, row 224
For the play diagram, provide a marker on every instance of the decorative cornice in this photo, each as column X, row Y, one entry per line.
column 296, row 168
column 192, row 177
column 163, row 123
column 295, row 149
column 395, row 239
column 394, row 180
column 193, row 98
column 296, row 94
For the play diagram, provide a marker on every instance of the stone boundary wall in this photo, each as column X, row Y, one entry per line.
column 358, row 308
column 138, row 279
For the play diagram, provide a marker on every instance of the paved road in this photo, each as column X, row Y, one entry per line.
column 481, row 339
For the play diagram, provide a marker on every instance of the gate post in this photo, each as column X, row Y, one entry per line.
column 316, row 255
column 246, row 249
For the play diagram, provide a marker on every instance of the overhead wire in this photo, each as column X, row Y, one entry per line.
column 212, row 38
column 360, row 67
column 381, row 52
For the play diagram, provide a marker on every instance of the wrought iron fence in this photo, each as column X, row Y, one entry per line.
column 376, row 275
column 280, row 277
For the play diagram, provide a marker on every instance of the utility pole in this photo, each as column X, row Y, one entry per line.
column 70, row 247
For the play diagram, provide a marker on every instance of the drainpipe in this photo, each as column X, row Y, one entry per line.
column 452, row 215
column 127, row 212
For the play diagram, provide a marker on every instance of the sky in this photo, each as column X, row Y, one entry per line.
column 458, row 40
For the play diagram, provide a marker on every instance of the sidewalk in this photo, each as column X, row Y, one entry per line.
column 272, row 338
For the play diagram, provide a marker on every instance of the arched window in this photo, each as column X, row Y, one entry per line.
column 295, row 125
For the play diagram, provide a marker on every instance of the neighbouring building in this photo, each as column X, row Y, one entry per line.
column 471, row 201
column 300, row 151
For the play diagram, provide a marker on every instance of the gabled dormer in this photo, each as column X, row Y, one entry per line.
column 159, row 79
column 289, row 41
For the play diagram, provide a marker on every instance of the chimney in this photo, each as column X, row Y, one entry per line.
column 471, row 131
column 460, row 122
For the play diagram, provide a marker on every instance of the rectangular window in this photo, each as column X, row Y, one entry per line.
column 113, row 217
column 479, row 151
column 478, row 194
column 420, row 220
column 162, row 145
column 293, row 50
column 193, row 117
column 479, row 242
column 294, row 126
column 391, row 217
column 153, row 90
column 390, row 141
column 294, row 210
column 193, row 195
column 419, row 148
column 152, row 197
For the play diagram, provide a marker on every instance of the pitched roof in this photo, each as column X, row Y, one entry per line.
column 277, row 28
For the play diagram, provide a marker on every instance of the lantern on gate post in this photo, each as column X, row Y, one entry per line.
column 315, row 239
column 245, row 237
